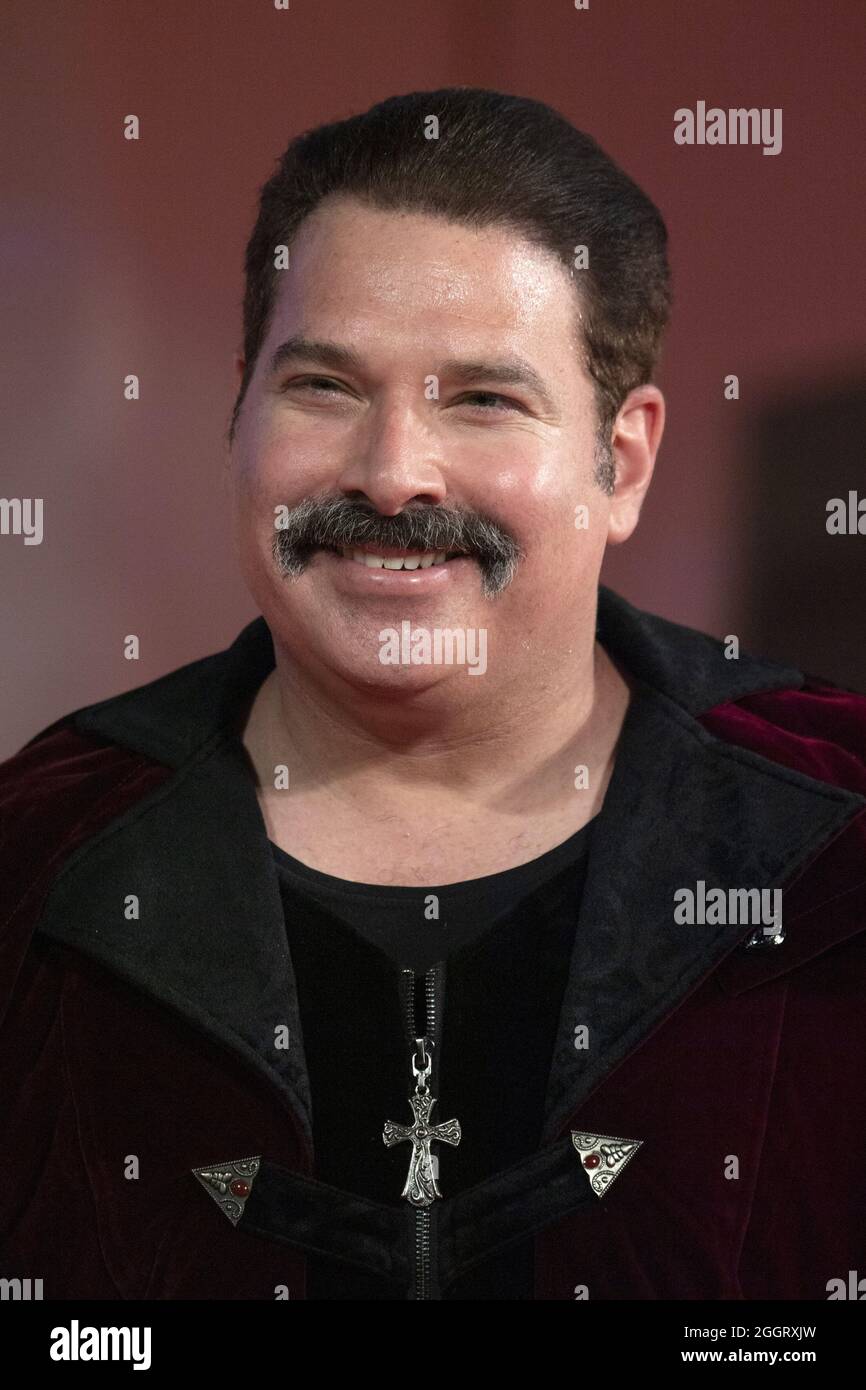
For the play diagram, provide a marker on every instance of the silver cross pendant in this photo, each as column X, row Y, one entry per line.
column 421, row 1188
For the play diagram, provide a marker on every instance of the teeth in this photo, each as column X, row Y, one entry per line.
column 408, row 562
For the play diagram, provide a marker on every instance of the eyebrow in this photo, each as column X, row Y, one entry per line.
column 507, row 371
column 310, row 350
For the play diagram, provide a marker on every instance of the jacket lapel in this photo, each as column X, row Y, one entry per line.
column 210, row 939
column 681, row 807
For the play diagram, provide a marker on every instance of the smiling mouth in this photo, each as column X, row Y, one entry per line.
column 391, row 558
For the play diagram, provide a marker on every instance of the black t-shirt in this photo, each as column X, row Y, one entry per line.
column 502, row 947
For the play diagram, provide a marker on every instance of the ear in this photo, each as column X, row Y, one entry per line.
column 635, row 439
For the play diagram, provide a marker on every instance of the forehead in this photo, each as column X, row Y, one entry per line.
column 356, row 269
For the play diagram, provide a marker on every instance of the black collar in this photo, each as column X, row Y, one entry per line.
column 211, row 943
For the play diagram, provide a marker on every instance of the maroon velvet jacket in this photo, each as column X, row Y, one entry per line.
column 154, row 1037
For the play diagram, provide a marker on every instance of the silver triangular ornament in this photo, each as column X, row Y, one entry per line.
column 603, row 1157
column 230, row 1184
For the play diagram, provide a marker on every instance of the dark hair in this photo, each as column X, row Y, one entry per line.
column 498, row 159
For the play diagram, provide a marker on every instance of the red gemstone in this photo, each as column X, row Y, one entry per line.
column 591, row 1161
column 239, row 1188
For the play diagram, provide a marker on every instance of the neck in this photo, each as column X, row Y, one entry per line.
column 514, row 748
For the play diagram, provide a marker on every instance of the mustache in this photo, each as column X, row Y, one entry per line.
column 335, row 522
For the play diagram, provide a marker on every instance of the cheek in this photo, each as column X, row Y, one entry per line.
column 550, row 497
column 267, row 475
column 283, row 468
column 249, row 508
column 560, row 515
column 518, row 484
column 262, row 468
column 257, row 487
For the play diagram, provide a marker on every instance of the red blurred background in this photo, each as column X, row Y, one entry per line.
column 127, row 257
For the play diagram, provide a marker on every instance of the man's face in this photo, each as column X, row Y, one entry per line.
column 420, row 420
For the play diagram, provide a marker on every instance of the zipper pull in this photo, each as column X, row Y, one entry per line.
column 421, row 1188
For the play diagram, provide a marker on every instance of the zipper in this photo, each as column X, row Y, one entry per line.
column 421, row 1280
column 413, row 1018
column 422, row 1025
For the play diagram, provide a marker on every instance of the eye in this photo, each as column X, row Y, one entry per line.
column 489, row 401
column 322, row 383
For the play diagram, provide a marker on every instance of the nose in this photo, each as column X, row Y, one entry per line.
column 396, row 460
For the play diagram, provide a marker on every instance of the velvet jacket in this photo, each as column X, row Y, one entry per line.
column 133, row 1052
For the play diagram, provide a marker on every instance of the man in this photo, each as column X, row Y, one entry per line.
column 429, row 942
